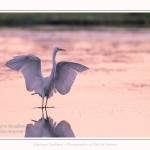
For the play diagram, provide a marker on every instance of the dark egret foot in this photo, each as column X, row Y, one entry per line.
column 39, row 107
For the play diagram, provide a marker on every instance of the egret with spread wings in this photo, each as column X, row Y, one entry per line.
column 61, row 78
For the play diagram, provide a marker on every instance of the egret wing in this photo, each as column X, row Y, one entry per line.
column 65, row 75
column 30, row 66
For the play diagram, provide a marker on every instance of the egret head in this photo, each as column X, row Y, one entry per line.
column 57, row 49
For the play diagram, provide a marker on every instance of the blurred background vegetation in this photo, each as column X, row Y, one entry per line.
column 76, row 19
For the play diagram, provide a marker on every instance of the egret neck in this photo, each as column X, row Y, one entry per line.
column 53, row 66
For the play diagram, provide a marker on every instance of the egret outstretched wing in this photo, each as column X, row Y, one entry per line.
column 65, row 75
column 30, row 66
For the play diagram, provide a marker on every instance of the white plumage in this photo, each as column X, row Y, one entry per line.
column 61, row 78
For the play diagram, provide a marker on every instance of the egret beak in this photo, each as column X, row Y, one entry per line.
column 60, row 49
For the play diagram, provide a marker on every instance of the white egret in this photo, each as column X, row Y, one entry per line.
column 61, row 78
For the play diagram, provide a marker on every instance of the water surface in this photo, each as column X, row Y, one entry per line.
column 111, row 99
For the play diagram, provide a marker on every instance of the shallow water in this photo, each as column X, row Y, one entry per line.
column 111, row 99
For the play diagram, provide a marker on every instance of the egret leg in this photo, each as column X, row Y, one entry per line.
column 46, row 113
column 42, row 114
column 46, row 102
column 42, row 102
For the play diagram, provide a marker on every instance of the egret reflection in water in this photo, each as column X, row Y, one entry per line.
column 46, row 127
column 61, row 78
